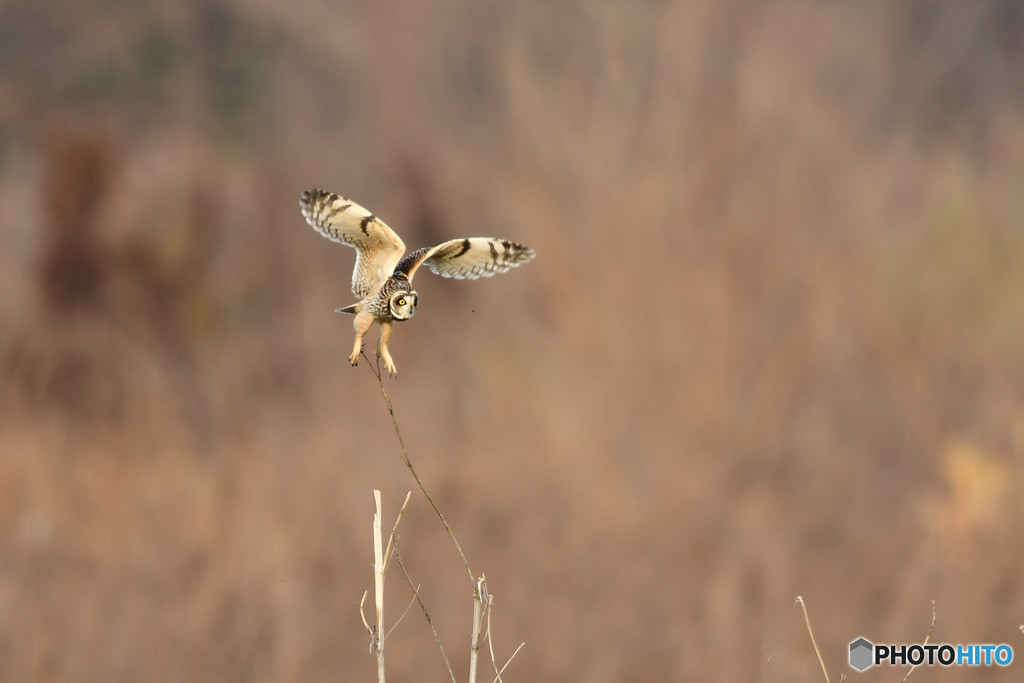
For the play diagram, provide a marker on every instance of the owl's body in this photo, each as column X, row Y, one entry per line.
column 382, row 279
column 378, row 302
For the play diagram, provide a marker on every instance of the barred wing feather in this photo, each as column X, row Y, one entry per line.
column 468, row 258
column 378, row 248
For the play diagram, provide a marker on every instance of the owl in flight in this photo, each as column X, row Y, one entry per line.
column 382, row 279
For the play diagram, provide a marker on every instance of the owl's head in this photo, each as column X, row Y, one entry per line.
column 403, row 304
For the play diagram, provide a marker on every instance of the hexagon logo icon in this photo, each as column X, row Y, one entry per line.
column 861, row 654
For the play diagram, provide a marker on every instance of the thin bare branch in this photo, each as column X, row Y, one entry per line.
column 498, row 677
column 489, row 600
column 481, row 600
column 407, row 608
column 375, row 369
column 362, row 615
column 394, row 530
column 430, row 622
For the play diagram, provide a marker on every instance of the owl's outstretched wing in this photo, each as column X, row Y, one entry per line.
column 378, row 248
column 468, row 258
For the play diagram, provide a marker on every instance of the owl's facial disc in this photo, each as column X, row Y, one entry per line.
column 403, row 305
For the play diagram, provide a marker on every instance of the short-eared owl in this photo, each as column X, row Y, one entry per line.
column 382, row 279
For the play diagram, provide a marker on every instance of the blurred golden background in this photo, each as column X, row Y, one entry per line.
column 771, row 344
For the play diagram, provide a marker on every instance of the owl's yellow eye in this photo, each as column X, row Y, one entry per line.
column 401, row 302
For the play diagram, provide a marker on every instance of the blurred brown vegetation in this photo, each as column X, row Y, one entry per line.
column 771, row 344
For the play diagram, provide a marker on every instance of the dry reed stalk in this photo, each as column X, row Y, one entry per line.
column 378, row 588
column 926, row 639
column 814, row 643
column 480, row 604
column 381, row 558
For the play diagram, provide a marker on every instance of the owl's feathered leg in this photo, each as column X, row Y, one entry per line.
column 385, row 335
column 362, row 323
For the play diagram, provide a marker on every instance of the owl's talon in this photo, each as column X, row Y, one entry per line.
column 357, row 349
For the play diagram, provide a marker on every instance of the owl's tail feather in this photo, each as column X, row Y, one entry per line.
column 353, row 309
